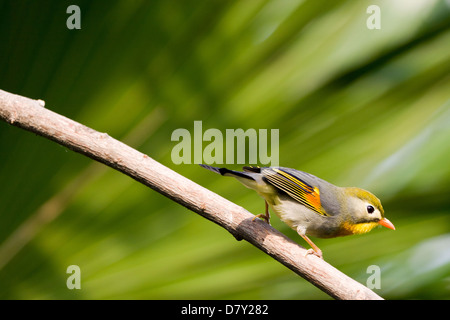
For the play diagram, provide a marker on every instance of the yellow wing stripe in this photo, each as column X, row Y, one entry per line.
column 305, row 194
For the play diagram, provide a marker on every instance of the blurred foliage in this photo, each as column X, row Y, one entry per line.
column 360, row 107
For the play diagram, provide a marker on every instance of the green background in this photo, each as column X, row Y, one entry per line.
column 357, row 107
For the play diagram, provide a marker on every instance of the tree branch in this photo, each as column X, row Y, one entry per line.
column 32, row 116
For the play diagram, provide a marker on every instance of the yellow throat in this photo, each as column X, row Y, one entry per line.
column 358, row 228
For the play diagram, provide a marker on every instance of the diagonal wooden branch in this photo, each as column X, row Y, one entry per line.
column 32, row 116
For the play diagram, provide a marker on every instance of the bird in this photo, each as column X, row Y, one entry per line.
column 310, row 205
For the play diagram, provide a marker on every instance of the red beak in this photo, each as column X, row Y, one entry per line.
column 386, row 223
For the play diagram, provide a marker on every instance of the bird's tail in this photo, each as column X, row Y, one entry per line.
column 227, row 172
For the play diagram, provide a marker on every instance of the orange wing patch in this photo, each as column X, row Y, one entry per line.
column 307, row 195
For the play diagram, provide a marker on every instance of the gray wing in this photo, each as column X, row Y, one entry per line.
column 315, row 193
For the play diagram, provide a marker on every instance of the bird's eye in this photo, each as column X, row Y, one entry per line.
column 370, row 209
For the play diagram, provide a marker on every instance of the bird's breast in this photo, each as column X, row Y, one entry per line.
column 348, row 228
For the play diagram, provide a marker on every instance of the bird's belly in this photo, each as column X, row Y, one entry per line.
column 295, row 215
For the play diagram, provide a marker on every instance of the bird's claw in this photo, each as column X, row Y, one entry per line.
column 263, row 217
column 313, row 252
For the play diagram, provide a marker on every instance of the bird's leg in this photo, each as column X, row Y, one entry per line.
column 315, row 249
column 265, row 216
